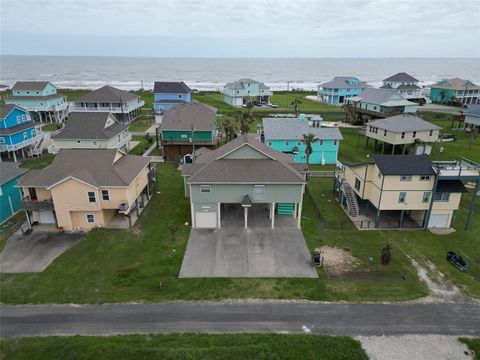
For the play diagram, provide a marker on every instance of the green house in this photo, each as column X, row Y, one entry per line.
column 455, row 90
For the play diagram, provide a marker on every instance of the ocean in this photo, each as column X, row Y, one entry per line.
column 130, row 73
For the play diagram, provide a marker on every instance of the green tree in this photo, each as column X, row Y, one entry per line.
column 308, row 140
column 246, row 119
column 296, row 105
column 228, row 127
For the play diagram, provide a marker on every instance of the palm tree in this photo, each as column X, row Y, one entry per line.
column 228, row 129
column 442, row 94
column 308, row 140
column 296, row 105
column 246, row 119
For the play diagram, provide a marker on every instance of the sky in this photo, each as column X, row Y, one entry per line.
column 223, row 28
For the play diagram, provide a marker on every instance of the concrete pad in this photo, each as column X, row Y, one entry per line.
column 34, row 252
column 235, row 252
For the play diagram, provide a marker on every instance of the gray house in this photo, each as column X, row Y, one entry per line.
column 244, row 181
column 472, row 116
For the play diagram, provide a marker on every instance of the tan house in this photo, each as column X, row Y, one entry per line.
column 83, row 189
column 402, row 130
column 402, row 191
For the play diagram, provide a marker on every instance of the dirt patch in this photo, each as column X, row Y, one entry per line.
column 337, row 261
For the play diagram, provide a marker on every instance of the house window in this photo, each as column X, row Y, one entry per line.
column 19, row 119
column 90, row 218
column 402, row 197
column 406, row 178
column 259, row 192
column 384, row 132
column 205, row 188
column 425, row 178
column 105, row 195
column 442, row 197
column 358, row 183
column 403, row 135
column 321, row 142
column 426, row 197
column 431, row 133
column 24, row 118
column 414, row 134
column 269, row 143
column 334, row 142
column 91, row 197
column 374, row 108
column 2, row 140
column 25, row 135
column 94, row 143
column 183, row 136
column 180, row 96
column 287, row 143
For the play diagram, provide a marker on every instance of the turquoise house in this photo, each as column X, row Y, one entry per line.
column 335, row 92
column 169, row 94
column 41, row 99
column 455, row 90
column 286, row 135
column 10, row 194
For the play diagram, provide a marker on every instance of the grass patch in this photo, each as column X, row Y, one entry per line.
column 185, row 346
column 51, row 127
column 141, row 147
column 141, row 124
column 38, row 162
column 473, row 345
column 215, row 99
column 9, row 226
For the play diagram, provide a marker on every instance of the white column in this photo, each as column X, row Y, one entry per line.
column 295, row 211
column 299, row 217
column 14, row 156
column 219, row 221
column 192, row 210
column 272, row 214
column 245, row 215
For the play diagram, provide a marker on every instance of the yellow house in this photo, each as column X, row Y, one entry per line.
column 85, row 188
column 403, row 191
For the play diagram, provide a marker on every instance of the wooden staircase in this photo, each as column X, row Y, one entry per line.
column 351, row 199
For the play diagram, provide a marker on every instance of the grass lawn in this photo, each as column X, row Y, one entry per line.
column 141, row 124
column 185, row 346
column 140, row 148
column 50, row 127
column 9, row 226
column 473, row 345
column 38, row 162
column 215, row 99
column 156, row 152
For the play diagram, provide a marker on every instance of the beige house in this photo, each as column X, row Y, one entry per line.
column 402, row 130
column 84, row 189
column 399, row 191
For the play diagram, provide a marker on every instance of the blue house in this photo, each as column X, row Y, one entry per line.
column 286, row 135
column 17, row 131
column 169, row 94
column 335, row 92
column 41, row 99
column 10, row 194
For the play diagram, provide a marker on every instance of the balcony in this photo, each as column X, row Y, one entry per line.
column 36, row 205
column 198, row 142
column 458, row 169
column 126, row 108
column 23, row 144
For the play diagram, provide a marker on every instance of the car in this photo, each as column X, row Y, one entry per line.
column 275, row 106
column 457, row 261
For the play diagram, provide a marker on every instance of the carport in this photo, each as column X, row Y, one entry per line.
column 254, row 216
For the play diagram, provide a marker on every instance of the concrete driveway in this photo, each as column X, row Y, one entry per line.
column 34, row 252
column 233, row 252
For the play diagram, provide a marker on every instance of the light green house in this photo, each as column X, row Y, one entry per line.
column 91, row 130
column 243, row 181
column 237, row 93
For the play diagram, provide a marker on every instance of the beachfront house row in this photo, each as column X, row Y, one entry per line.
column 240, row 92
column 336, row 91
column 10, row 195
column 455, row 90
column 187, row 127
column 404, row 191
column 91, row 130
column 405, row 84
column 41, row 99
column 472, row 116
column 84, row 189
column 169, row 94
column 18, row 133
column 125, row 105
column 244, row 183
column 378, row 103
column 402, row 131
column 286, row 135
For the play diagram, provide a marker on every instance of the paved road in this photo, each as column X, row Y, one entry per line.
column 336, row 319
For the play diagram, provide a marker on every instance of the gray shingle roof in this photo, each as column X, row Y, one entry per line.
column 184, row 116
column 30, row 85
column 294, row 129
column 89, row 125
column 107, row 94
column 46, row 97
column 403, row 123
column 401, row 77
column 238, row 85
column 404, row 164
column 170, row 87
column 456, row 84
column 9, row 171
column 401, row 87
column 93, row 166
column 473, row 110
column 340, row 82
column 379, row 96
column 17, row 128
column 6, row 109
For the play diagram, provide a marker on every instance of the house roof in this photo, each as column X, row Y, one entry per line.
column 455, row 84
column 30, row 85
column 9, row 171
column 184, row 116
column 404, row 164
column 473, row 110
column 341, row 82
column 295, row 128
column 90, row 125
column 17, row 128
column 239, row 84
column 451, row 186
column 401, row 77
column 92, row 166
column 403, row 123
column 381, row 97
column 6, row 109
column 170, row 87
column 214, row 167
column 107, row 94
column 401, row 87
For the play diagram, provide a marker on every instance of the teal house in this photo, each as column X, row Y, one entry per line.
column 10, row 194
column 41, row 99
column 341, row 88
column 286, row 135
column 239, row 92
column 455, row 90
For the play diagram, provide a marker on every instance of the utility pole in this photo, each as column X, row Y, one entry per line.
column 193, row 144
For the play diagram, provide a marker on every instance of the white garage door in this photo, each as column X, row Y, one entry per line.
column 205, row 220
column 46, row 217
column 438, row 221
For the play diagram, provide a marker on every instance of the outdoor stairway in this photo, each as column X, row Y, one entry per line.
column 41, row 145
column 285, row 209
column 351, row 199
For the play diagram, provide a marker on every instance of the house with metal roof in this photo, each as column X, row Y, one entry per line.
column 10, row 195
column 404, row 191
column 246, row 181
column 41, row 99
column 286, row 135
column 339, row 89
column 472, row 115
column 455, row 90
column 240, row 92
column 168, row 94
column 187, row 127
column 91, row 130
column 85, row 188
column 378, row 103
column 405, row 84
column 402, row 130
column 125, row 105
